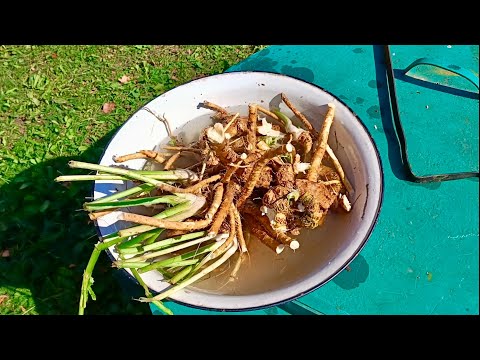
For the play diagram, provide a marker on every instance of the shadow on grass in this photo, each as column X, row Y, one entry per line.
column 50, row 241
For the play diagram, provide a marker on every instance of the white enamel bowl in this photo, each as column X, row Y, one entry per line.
column 267, row 279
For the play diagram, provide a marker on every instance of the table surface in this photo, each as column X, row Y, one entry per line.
column 422, row 257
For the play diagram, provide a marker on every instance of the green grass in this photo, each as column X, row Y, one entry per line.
column 51, row 101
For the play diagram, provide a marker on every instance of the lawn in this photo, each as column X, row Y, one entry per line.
column 52, row 111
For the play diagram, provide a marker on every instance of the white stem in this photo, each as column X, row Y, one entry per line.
column 212, row 254
column 197, row 202
column 170, row 249
column 194, row 278
column 295, row 131
column 185, row 174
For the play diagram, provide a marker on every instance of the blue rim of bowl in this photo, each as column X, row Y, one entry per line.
column 317, row 286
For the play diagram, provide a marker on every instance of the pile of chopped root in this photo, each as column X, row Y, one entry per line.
column 256, row 174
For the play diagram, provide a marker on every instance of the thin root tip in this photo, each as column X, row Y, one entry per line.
column 294, row 245
column 331, row 105
column 143, row 299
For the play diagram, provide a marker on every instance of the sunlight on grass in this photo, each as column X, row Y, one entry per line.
column 51, row 100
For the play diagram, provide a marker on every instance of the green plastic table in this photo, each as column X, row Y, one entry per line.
column 422, row 257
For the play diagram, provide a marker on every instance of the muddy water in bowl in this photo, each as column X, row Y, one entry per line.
column 261, row 269
column 264, row 277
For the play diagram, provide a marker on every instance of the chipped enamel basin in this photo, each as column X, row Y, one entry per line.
column 265, row 278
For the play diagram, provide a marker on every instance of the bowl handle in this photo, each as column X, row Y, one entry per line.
column 466, row 73
column 398, row 124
